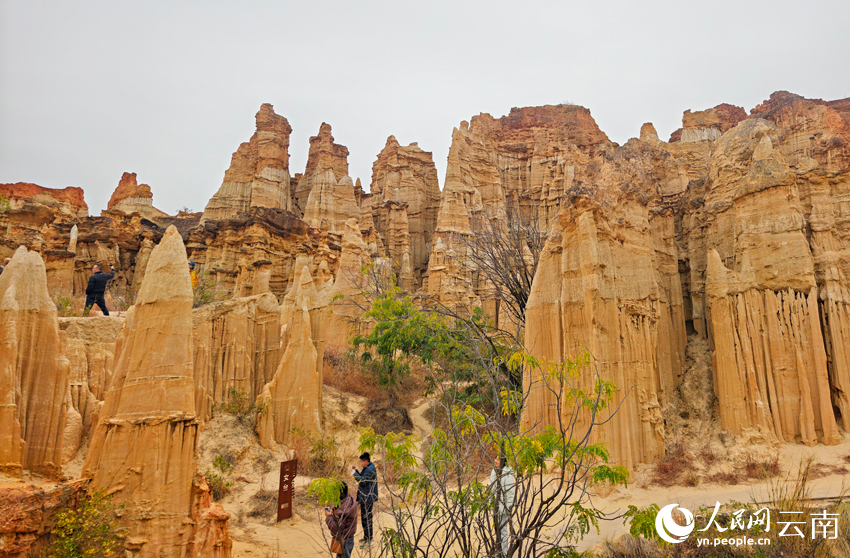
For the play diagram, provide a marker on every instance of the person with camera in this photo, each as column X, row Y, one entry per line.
column 97, row 287
column 367, row 495
column 342, row 523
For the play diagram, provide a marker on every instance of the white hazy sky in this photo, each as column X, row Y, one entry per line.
column 168, row 90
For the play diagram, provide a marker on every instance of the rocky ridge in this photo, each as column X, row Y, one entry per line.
column 733, row 236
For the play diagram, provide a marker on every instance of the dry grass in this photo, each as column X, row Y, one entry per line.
column 263, row 505
column 668, row 471
column 343, row 372
column 684, row 466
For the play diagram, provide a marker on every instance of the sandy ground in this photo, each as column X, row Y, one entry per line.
column 257, row 535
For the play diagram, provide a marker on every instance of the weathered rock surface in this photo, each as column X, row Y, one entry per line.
column 525, row 161
column 132, row 197
column 736, row 233
column 708, row 124
column 90, row 350
column 259, row 171
column 236, row 346
column 231, row 252
column 143, row 449
column 405, row 199
column 28, row 513
column 324, row 155
column 329, row 191
column 33, row 371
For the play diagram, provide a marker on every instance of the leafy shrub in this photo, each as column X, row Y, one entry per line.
column 218, row 478
column 205, row 292
column 66, row 307
column 88, row 530
column 238, row 405
column 318, row 454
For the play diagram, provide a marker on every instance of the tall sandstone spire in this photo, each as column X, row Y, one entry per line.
column 33, row 370
column 325, row 191
column 259, row 171
column 143, row 449
column 405, row 199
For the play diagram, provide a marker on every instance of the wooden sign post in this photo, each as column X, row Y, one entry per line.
column 288, row 469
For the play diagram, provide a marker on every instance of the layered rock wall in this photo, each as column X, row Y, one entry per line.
column 404, row 180
column 259, row 171
column 737, row 233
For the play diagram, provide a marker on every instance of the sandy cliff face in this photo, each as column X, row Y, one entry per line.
column 736, row 233
column 259, row 171
column 405, row 199
column 523, row 162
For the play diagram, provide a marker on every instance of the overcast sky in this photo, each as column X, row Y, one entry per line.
column 169, row 90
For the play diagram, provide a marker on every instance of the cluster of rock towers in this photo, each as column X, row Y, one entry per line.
column 736, row 231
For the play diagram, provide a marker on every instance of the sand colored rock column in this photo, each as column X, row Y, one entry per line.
column 33, row 370
column 143, row 449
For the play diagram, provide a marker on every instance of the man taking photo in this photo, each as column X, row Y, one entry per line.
column 367, row 495
column 96, row 288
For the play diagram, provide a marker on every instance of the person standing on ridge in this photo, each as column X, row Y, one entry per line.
column 193, row 275
column 96, row 288
column 367, row 495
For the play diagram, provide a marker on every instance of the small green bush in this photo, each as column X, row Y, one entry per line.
column 238, row 405
column 218, row 478
column 88, row 530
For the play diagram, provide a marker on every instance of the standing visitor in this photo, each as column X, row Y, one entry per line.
column 367, row 495
column 96, row 288
column 504, row 491
column 193, row 275
column 342, row 523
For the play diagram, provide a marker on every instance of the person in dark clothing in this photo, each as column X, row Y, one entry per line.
column 96, row 288
column 367, row 495
column 342, row 522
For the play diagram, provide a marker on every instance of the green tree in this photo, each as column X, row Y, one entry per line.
column 484, row 484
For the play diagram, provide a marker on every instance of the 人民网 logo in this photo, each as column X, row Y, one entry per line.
column 667, row 527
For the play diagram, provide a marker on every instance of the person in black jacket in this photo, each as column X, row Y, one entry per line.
column 96, row 288
column 367, row 495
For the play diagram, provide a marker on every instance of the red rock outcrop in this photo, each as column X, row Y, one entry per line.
column 259, row 171
column 132, row 197
column 28, row 513
column 27, row 199
column 33, row 371
column 708, row 124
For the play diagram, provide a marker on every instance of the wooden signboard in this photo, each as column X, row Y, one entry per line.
column 288, row 470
